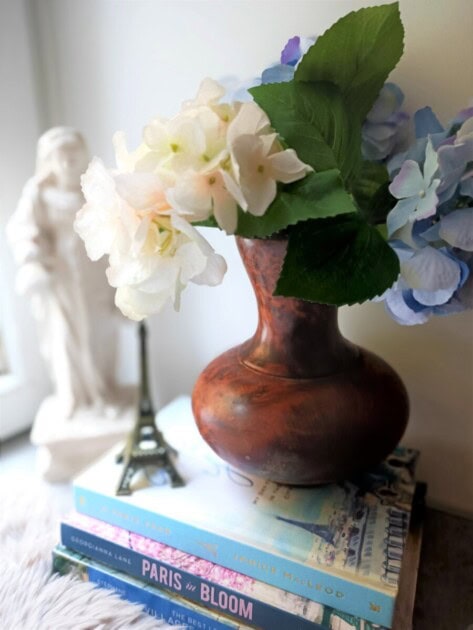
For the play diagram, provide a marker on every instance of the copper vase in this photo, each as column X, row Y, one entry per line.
column 297, row 403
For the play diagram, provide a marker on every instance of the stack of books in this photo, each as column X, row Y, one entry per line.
column 232, row 551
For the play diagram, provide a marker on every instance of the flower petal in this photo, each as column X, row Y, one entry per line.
column 400, row 214
column 427, row 205
column 155, row 135
column 403, row 251
column 214, row 271
column 251, row 119
column 165, row 279
column 137, row 305
column 93, row 230
column 433, row 298
column 127, row 161
column 97, row 184
column 190, row 139
column 269, row 143
column 431, row 163
column 466, row 187
column 280, row 73
column 99, row 220
column 397, row 308
column 214, row 266
column 286, row 167
column 408, row 181
column 456, row 229
column 259, row 193
column 379, row 131
column 209, row 92
column 432, row 233
column 191, row 233
column 453, row 160
column 247, row 156
column 375, row 150
column 233, row 188
column 466, row 130
column 416, row 152
column 191, row 196
column 426, row 123
column 130, row 268
column 226, row 213
column 389, row 100
column 291, row 52
column 191, row 260
column 142, row 191
column 237, row 90
column 431, row 270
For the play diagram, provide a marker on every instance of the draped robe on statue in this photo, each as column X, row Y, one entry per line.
column 54, row 271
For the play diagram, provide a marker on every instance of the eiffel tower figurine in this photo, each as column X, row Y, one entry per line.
column 145, row 445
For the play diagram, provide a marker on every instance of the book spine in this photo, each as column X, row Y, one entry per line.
column 185, row 584
column 154, row 602
column 321, row 586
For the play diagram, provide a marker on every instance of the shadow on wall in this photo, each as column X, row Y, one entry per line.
column 435, row 361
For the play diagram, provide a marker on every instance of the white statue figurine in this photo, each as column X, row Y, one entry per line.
column 69, row 297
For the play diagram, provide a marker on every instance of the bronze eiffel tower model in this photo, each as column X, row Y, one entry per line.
column 145, row 444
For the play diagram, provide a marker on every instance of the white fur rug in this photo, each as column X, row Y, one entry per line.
column 32, row 599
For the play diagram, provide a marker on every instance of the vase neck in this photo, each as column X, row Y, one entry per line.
column 294, row 338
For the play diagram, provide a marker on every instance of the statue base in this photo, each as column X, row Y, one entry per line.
column 67, row 445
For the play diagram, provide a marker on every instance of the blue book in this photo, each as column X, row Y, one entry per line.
column 340, row 545
column 160, row 604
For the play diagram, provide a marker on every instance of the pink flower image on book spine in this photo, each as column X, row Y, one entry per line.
column 164, row 553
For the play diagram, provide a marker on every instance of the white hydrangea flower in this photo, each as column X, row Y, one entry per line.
column 153, row 252
column 178, row 255
column 199, row 195
column 210, row 95
column 136, row 160
column 258, row 160
column 106, row 222
column 208, row 160
column 250, row 120
column 177, row 144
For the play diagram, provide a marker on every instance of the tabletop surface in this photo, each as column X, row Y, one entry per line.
column 444, row 597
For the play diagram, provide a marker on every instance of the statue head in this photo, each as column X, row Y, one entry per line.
column 62, row 157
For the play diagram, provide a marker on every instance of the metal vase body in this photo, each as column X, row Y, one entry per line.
column 297, row 403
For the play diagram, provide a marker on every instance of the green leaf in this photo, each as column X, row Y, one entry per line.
column 357, row 53
column 337, row 261
column 314, row 120
column 210, row 222
column 318, row 195
column 371, row 192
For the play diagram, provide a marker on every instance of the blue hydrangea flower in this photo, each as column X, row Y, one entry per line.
column 466, row 184
column 456, row 229
column 465, row 137
column 426, row 123
column 433, row 220
column 292, row 53
column 294, row 49
column 460, row 118
column 237, row 90
column 432, row 282
column 416, row 191
column 455, row 158
column 279, row 73
column 385, row 127
column 427, row 127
